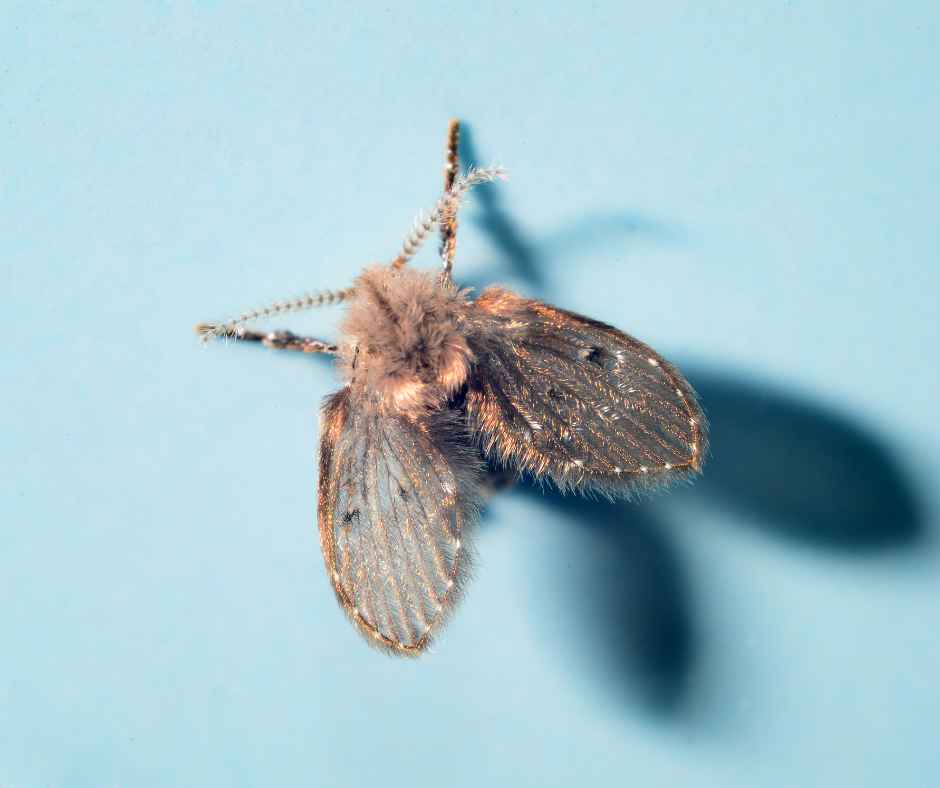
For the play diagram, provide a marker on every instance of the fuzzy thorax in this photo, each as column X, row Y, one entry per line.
column 402, row 341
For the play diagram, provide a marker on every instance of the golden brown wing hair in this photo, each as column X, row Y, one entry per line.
column 567, row 398
column 397, row 498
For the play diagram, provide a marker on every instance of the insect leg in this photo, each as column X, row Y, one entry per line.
column 286, row 340
column 448, row 228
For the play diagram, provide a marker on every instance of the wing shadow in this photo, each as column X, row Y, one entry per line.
column 622, row 601
column 802, row 470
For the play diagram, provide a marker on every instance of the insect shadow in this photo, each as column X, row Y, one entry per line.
column 527, row 259
column 799, row 469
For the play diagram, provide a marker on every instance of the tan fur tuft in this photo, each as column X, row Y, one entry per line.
column 402, row 339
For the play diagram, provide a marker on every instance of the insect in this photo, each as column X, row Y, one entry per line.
column 437, row 384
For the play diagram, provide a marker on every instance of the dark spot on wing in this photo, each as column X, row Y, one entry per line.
column 593, row 355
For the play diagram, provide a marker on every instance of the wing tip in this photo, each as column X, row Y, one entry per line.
column 394, row 647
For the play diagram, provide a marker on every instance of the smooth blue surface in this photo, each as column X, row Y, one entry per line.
column 751, row 188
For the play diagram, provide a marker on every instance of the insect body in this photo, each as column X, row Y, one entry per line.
column 436, row 382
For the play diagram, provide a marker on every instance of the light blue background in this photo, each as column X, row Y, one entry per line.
column 752, row 188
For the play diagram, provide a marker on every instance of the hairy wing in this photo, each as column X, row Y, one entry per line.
column 395, row 501
column 561, row 396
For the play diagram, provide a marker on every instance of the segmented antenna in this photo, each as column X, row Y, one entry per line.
column 445, row 209
column 307, row 301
